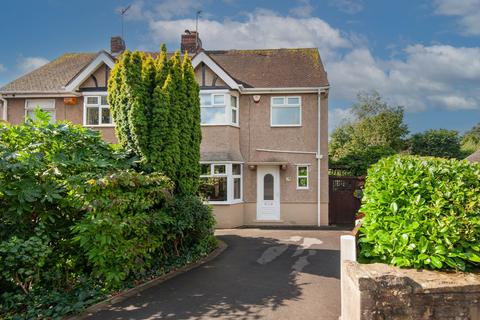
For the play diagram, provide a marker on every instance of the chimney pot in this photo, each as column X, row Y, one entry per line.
column 117, row 45
column 190, row 42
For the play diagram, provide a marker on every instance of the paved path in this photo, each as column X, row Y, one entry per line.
column 263, row 274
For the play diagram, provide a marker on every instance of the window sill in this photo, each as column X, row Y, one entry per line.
column 99, row 126
column 286, row 126
column 219, row 125
column 304, row 189
column 223, row 203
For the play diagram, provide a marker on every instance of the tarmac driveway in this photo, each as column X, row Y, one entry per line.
column 263, row 274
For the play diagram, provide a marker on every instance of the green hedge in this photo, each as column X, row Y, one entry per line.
column 422, row 213
column 79, row 220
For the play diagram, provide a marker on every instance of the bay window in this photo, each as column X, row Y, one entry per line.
column 286, row 112
column 96, row 111
column 221, row 183
column 218, row 108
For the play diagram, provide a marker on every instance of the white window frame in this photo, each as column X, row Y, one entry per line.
column 100, row 107
column 52, row 102
column 301, row 165
column 230, row 179
column 232, row 108
column 228, row 107
column 236, row 176
column 285, row 105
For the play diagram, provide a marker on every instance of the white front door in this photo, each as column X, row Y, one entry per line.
column 268, row 193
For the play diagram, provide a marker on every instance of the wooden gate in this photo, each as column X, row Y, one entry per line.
column 343, row 204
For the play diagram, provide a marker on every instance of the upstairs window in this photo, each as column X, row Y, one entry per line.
column 286, row 112
column 218, row 108
column 46, row 105
column 97, row 111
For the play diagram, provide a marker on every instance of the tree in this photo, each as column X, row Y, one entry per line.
column 377, row 130
column 470, row 142
column 440, row 143
column 156, row 108
column 194, row 136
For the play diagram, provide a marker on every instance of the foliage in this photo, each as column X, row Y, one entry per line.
column 22, row 260
column 155, row 104
column 80, row 220
column 115, row 232
column 422, row 213
column 377, row 127
column 358, row 162
column 470, row 142
column 436, row 143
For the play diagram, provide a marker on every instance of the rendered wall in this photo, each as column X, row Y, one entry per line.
column 228, row 216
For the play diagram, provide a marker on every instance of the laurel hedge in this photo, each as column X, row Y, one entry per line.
column 422, row 212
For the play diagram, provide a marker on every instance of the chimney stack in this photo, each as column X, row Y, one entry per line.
column 190, row 42
column 117, row 45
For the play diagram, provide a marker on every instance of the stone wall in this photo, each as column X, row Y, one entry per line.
column 379, row 291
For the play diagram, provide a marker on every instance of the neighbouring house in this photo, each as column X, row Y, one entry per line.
column 474, row 157
column 264, row 150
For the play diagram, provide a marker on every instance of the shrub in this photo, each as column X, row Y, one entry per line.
column 422, row 213
column 116, row 233
column 79, row 220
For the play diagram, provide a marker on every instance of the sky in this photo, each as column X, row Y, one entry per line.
column 423, row 55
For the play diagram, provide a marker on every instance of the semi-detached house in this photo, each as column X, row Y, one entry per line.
column 264, row 124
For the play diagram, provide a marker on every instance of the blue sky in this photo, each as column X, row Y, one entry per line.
column 422, row 54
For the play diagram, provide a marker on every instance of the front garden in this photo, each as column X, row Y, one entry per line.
column 82, row 219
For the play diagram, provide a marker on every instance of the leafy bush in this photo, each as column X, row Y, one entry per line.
column 422, row 213
column 79, row 220
column 435, row 143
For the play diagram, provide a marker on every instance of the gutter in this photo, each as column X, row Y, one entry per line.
column 4, row 107
column 244, row 90
column 319, row 156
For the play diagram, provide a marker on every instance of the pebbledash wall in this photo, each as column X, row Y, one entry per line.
column 297, row 207
column 73, row 113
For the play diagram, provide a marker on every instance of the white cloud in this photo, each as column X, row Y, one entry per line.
column 429, row 76
column 304, row 9
column 338, row 117
column 347, row 6
column 467, row 11
column 28, row 64
column 436, row 76
column 261, row 29
column 2, row 68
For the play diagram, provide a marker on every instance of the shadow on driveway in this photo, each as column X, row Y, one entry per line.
column 255, row 278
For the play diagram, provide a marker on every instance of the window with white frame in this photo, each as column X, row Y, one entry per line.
column 302, row 176
column 286, row 112
column 234, row 109
column 96, row 111
column 221, row 182
column 46, row 105
column 218, row 108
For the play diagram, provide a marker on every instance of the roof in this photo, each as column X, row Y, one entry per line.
column 474, row 157
column 53, row 76
column 273, row 68
column 268, row 68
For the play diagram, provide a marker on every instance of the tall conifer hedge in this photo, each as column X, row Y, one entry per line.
column 156, row 108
